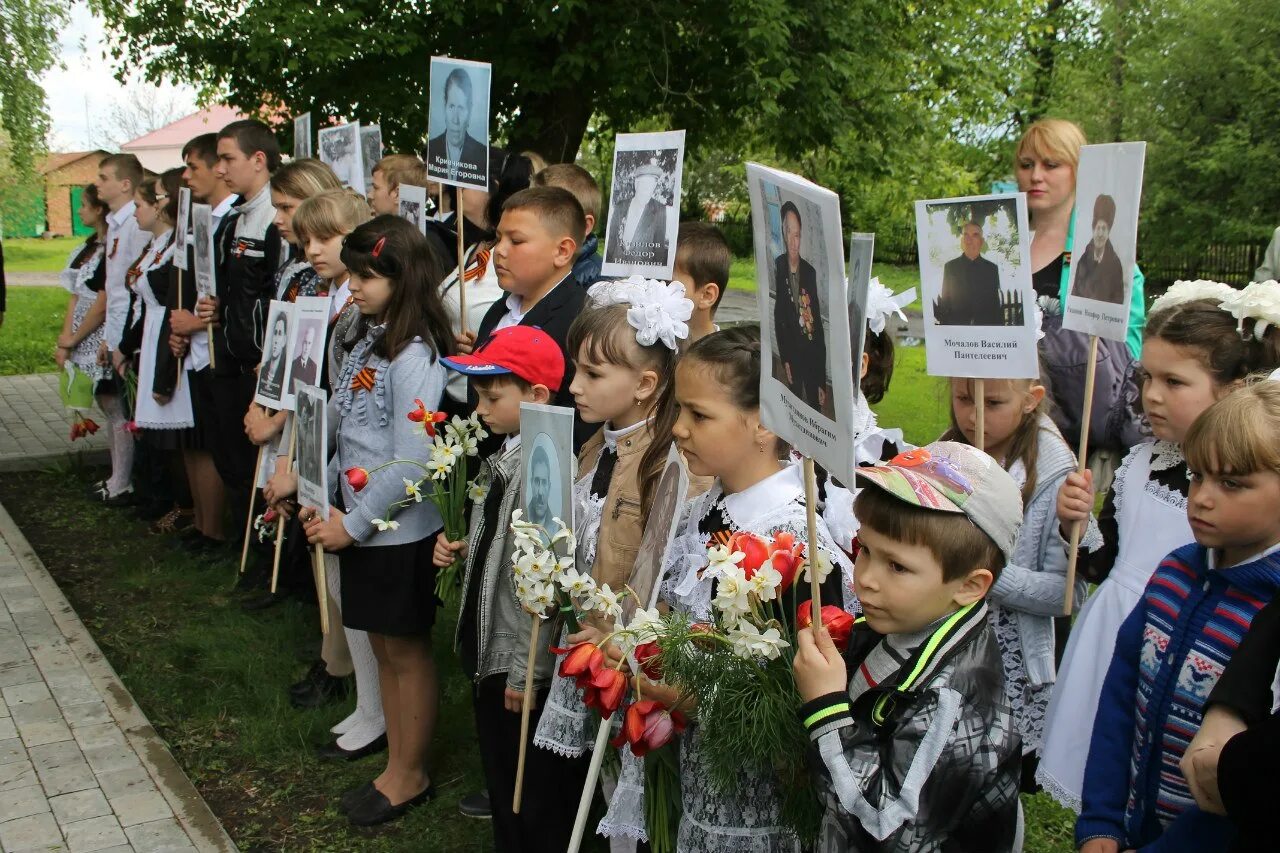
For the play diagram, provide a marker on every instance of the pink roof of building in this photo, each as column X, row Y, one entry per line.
column 181, row 131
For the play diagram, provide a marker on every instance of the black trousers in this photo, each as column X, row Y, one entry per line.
column 233, row 454
column 552, row 783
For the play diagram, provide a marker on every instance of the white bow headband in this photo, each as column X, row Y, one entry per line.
column 657, row 310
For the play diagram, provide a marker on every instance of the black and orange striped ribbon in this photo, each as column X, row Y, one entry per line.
column 363, row 379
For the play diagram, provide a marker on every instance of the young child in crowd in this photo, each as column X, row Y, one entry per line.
column 702, row 266
column 388, row 174
column 84, row 278
column 388, row 584
column 1193, row 354
column 517, row 365
column 1031, row 586
column 914, row 747
column 577, row 180
column 1176, row 642
column 534, row 255
column 718, row 429
column 624, row 360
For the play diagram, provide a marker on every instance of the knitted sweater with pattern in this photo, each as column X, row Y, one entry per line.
column 1169, row 654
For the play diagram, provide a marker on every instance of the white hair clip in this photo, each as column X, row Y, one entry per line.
column 881, row 302
column 1259, row 301
column 657, row 310
column 1189, row 291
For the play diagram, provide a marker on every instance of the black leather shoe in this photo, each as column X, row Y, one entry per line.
column 476, row 806
column 376, row 808
column 353, row 797
column 314, row 674
column 261, row 602
column 320, row 693
column 333, row 752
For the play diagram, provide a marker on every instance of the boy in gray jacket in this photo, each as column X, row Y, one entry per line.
column 518, row 364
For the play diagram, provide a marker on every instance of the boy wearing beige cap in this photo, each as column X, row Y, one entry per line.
column 914, row 747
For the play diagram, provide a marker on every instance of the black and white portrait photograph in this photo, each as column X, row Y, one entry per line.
column 806, row 393
column 310, row 319
column 413, row 205
column 302, row 136
column 644, row 204
column 340, row 148
column 1105, row 249
column 547, row 460
column 975, row 277
column 370, row 151
column 274, row 367
column 458, row 122
column 202, row 228
column 312, row 452
column 861, row 252
column 182, row 228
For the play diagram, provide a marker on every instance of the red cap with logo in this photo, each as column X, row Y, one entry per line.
column 526, row 351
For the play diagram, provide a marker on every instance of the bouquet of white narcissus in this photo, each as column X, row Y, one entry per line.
column 444, row 482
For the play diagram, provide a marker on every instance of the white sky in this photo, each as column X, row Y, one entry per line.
column 81, row 94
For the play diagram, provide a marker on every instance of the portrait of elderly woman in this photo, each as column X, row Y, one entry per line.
column 1099, row 273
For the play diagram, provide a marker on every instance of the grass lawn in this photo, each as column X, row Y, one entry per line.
column 33, row 254
column 32, row 321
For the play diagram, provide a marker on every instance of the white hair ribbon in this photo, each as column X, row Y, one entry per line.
column 657, row 310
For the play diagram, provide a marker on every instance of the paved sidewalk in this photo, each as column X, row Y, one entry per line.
column 81, row 769
column 35, row 429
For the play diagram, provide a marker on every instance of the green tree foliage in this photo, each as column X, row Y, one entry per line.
column 28, row 48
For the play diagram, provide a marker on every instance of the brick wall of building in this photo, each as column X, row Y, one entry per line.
column 58, row 184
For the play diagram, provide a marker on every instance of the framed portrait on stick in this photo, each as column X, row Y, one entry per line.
column 370, row 151
column 975, row 277
column 1105, row 249
column 273, row 370
column 644, row 204
column 202, row 244
column 413, row 206
column 547, row 462
column 806, row 376
column 458, row 122
column 341, row 150
column 182, row 230
column 313, row 474
column 302, row 136
column 306, row 344
column 862, row 249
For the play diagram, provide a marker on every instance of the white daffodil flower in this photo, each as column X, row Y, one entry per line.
column 578, row 585
column 411, row 490
column 477, row 491
column 439, row 469
column 644, row 625
column 720, row 559
column 824, row 567
column 749, row 642
column 765, row 582
column 733, row 592
column 386, row 525
column 608, row 602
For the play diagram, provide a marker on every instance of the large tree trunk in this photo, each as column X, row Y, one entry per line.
column 551, row 124
column 1044, row 56
column 1118, row 57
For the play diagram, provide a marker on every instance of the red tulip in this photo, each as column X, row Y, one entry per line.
column 648, row 655
column 132, row 427
column 605, row 691
column 269, row 516
column 787, row 556
column 90, row 426
column 647, row 726
column 427, row 418
column 754, row 550
column 77, row 431
column 581, row 662
column 357, row 477
column 838, row 623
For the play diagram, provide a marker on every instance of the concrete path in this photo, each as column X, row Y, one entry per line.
column 32, row 279
column 35, row 430
column 81, row 769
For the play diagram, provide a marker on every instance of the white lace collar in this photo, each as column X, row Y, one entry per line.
column 1166, row 455
column 773, row 491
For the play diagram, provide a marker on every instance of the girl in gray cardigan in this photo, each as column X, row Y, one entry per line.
column 1031, row 588
column 388, row 580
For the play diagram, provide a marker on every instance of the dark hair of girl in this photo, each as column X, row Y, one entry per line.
column 94, row 201
column 733, row 355
column 603, row 330
column 879, row 350
column 392, row 248
column 1228, row 353
column 171, row 180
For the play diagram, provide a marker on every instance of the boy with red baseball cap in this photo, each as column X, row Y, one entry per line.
column 517, row 364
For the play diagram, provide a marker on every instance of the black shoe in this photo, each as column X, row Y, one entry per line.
column 119, row 499
column 376, row 808
column 320, row 693
column 476, row 805
column 333, row 752
column 253, row 581
column 261, row 602
column 201, row 545
column 350, row 799
column 314, row 675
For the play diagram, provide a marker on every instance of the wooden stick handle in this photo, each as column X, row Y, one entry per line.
column 462, row 283
column 322, row 589
column 213, row 361
column 248, row 522
column 811, row 549
column 589, row 789
column 179, row 377
column 980, row 410
column 1082, row 462
column 275, row 562
column 524, row 714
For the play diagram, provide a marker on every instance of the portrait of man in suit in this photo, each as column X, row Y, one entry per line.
column 306, row 367
column 797, row 317
column 970, row 285
column 640, row 227
column 455, row 149
column 271, row 374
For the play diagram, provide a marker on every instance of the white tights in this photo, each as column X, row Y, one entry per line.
column 366, row 723
column 120, row 442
